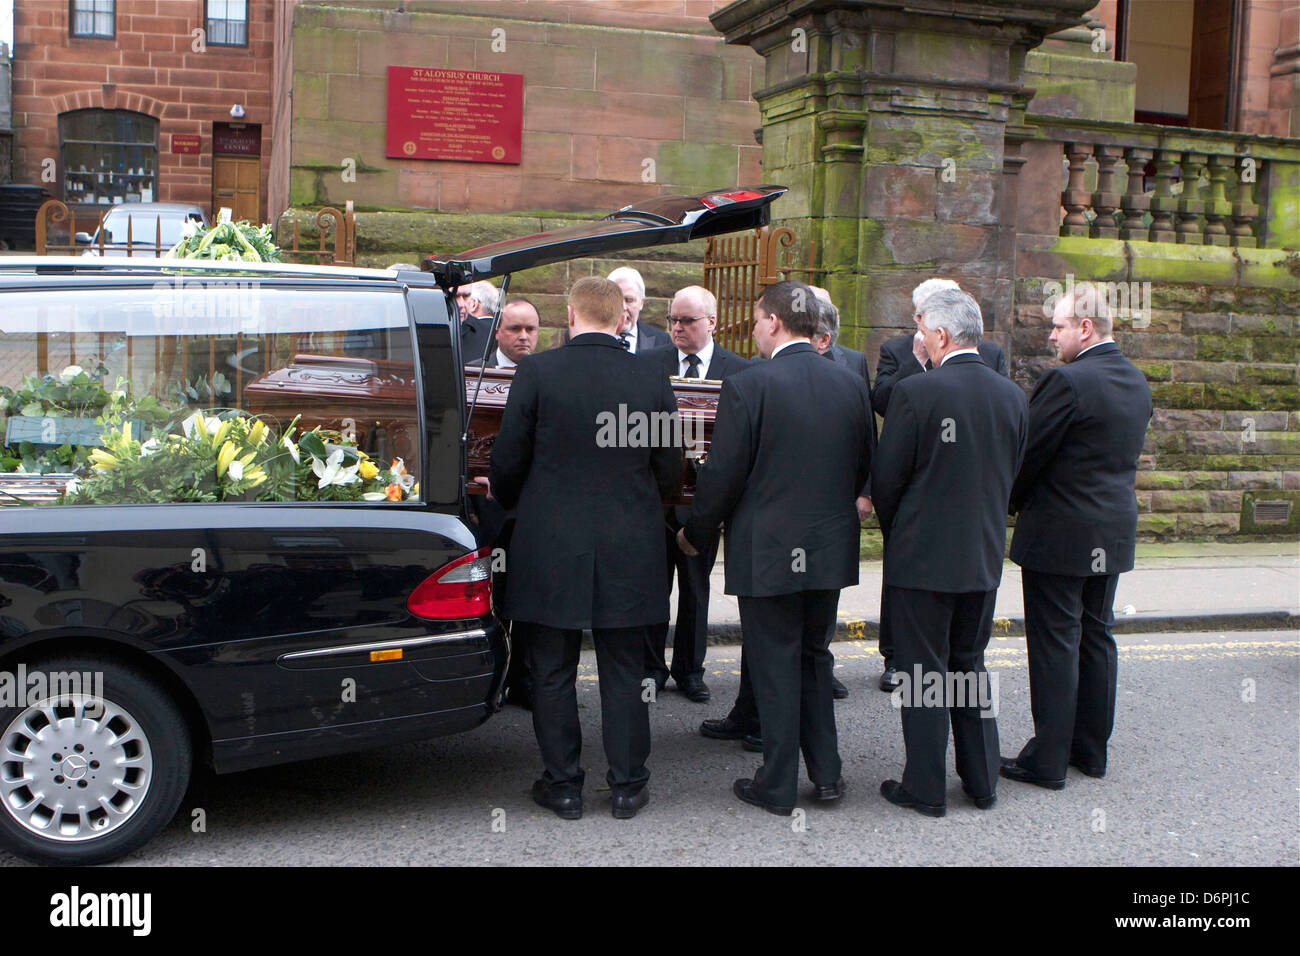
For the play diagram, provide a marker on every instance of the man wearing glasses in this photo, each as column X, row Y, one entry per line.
column 692, row 319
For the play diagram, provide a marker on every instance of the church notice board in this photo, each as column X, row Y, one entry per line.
column 465, row 115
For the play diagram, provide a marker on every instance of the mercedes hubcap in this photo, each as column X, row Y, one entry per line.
column 74, row 768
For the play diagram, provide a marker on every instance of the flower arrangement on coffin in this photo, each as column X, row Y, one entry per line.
column 53, row 421
column 234, row 458
column 240, row 241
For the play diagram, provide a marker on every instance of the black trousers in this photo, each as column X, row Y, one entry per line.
column 886, row 641
column 1072, row 668
column 691, row 634
column 938, row 633
column 745, row 711
column 787, row 647
column 624, row 716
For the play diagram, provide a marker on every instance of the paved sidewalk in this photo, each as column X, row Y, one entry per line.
column 1173, row 587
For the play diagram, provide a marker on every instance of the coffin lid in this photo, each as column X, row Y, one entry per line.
column 653, row 222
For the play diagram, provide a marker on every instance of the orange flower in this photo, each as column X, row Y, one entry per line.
column 394, row 492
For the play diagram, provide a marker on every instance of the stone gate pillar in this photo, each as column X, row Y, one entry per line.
column 897, row 127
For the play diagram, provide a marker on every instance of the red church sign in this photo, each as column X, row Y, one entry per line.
column 466, row 115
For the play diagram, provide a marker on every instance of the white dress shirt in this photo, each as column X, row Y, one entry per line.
column 1091, row 347
column 502, row 361
column 969, row 351
column 705, row 354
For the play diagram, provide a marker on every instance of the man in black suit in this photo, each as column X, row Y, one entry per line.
column 477, row 305
column 1075, row 533
column 790, row 450
column 634, row 335
column 741, row 722
column 942, row 476
column 692, row 318
column 516, row 336
column 900, row 358
column 589, row 447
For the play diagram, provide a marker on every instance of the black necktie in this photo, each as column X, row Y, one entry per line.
column 693, row 363
column 625, row 341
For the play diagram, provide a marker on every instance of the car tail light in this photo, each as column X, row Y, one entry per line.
column 461, row 589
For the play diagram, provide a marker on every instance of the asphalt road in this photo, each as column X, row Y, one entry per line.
column 1198, row 776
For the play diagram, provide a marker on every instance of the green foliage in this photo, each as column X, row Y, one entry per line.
column 239, row 241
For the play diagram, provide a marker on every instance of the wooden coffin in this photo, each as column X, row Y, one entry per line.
column 376, row 399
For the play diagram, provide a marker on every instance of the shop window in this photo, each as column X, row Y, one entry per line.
column 109, row 157
column 92, row 18
column 227, row 22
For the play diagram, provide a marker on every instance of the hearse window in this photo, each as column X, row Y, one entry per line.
column 200, row 389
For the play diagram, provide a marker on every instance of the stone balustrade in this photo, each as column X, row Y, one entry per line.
column 1135, row 181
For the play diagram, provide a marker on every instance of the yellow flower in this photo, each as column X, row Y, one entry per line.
column 221, row 434
column 103, row 459
column 257, row 434
column 255, row 476
column 368, row 470
column 225, row 457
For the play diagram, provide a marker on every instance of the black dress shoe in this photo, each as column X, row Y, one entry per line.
column 827, row 792
column 890, row 680
column 693, row 688
column 744, row 788
column 1087, row 769
column 893, row 791
column 1013, row 771
column 724, row 729
column 983, row 803
column 838, row 690
column 565, row 805
column 625, row 805
column 753, row 743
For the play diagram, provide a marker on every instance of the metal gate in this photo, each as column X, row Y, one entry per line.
column 738, row 268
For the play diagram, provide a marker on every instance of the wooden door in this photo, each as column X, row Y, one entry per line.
column 237, row 184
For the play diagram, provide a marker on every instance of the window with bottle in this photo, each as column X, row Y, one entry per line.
column 109, row 157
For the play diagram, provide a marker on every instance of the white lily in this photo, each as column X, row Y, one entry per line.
column 332, row 472
column 293, row 449
column 74, row 483
column 236, row 470
column 69, row 373
column 208, row 426
column 374, row 496
column 407, row 482
column 149, row 447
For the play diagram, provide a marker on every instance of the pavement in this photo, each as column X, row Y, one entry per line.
column 1172, row 587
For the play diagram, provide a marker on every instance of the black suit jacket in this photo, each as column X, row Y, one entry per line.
column 1074, row 493
column 648, row 338
column 588, row 545
column 790, row 450
column 856, row 362
column 948, row 453
column 721, row 364
column 897, row 362
column 475, row 333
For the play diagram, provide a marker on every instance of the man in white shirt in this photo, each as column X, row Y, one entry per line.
column 692, row 318
column 517, row 334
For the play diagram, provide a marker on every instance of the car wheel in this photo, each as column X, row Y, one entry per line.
column 86, row 780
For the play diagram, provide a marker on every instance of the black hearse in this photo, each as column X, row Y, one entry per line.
column 234, row 528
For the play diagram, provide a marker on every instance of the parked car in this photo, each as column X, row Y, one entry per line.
column 140, row 229
column 271, row 557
